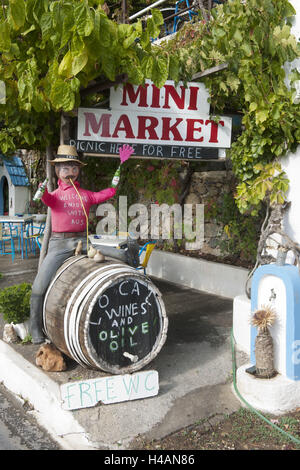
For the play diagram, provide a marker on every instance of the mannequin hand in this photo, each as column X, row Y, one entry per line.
column 125, row 152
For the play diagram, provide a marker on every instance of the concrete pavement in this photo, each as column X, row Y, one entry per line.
column 194, row 368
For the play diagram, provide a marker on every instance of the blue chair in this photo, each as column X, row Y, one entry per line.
column 8, row 236
column 33, row 240
column 147, row 248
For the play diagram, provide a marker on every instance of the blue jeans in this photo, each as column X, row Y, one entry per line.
column 59, row 250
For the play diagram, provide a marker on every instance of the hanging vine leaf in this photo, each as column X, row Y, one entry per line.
column 17, row 13
column 254, row 38
column 51, row 50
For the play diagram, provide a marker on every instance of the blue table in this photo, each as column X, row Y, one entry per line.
column 17, row 221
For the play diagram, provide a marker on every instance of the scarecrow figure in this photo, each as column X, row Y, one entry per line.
column 70, row 205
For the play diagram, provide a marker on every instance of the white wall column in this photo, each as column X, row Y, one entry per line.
column 291, row 163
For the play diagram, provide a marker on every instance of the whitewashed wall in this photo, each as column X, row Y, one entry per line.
column 291, row 163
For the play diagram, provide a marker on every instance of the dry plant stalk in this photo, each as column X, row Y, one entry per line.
column 264, row 317
column 264, row 348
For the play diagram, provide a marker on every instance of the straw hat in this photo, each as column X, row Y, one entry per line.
column 66, row 153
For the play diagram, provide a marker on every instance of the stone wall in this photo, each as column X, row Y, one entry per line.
column 206, row 187
column 209, row 187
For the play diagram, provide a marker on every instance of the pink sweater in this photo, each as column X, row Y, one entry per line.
column 67, row 214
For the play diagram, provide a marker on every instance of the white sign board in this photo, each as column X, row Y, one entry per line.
column 193, row 129
column 112, row 389
column 168, row 122
column 169, row 98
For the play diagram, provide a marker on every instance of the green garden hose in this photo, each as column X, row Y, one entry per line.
column 294, row 439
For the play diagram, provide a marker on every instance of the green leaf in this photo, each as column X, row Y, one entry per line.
column 130, row 39
column 17, row 12
column 79, row 62
column 83, row 19
column 29, row 6
column 67, row 29
column 106, row 31
column 65, row 67
column 246, row 48
column 261, row 116
column 147, row 65
column 238, row 35
column 4, row 37
column 71, row 64
column 75, row 84
column 40, row 6
column 29, row 137
column 46, row 25
column 154, row 23
column 157, row 17
column 62, row 97
column 109, row 66
column 160, row 70
column 252, row 107
column 39, row 104
column 173, row 68
column 77, row 45
column 233, row 82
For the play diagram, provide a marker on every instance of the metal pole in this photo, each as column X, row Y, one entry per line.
column 178, row 13
column 146, row 9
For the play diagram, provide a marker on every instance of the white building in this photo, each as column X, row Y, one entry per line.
column 14, row 186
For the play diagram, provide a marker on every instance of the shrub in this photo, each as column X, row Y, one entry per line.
column 15, row 303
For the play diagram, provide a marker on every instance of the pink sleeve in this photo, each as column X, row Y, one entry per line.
column 48, row 199
column 101, row 196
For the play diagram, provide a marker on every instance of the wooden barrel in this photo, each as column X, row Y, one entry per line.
column 106, row 316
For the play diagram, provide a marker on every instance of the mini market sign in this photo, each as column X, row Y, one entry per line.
column 168, row 122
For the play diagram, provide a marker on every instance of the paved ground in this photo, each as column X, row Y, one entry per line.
column 194, row 368
column 18, row 430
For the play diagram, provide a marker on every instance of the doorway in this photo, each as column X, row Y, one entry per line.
column 4, row 196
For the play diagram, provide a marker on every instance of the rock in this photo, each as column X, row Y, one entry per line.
column 78, row 249
column 49, row 358
column 99, row 257
column 22, row 329
column 192, row 198
column 9, row 334
column 91, row 253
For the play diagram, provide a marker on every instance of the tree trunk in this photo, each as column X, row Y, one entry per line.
column 264, row 354
column 47, row 232
column 124, row 11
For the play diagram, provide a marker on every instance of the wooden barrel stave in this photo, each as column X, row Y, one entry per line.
column 75, row 315
column 80, row 273
column 68, row 316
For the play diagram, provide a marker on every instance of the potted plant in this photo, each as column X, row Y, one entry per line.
column 264, row 348
column 15, row 307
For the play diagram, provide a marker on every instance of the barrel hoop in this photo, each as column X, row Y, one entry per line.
column 71, row 318
column 164, row 321
column 57, row 275
column 70, row 314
